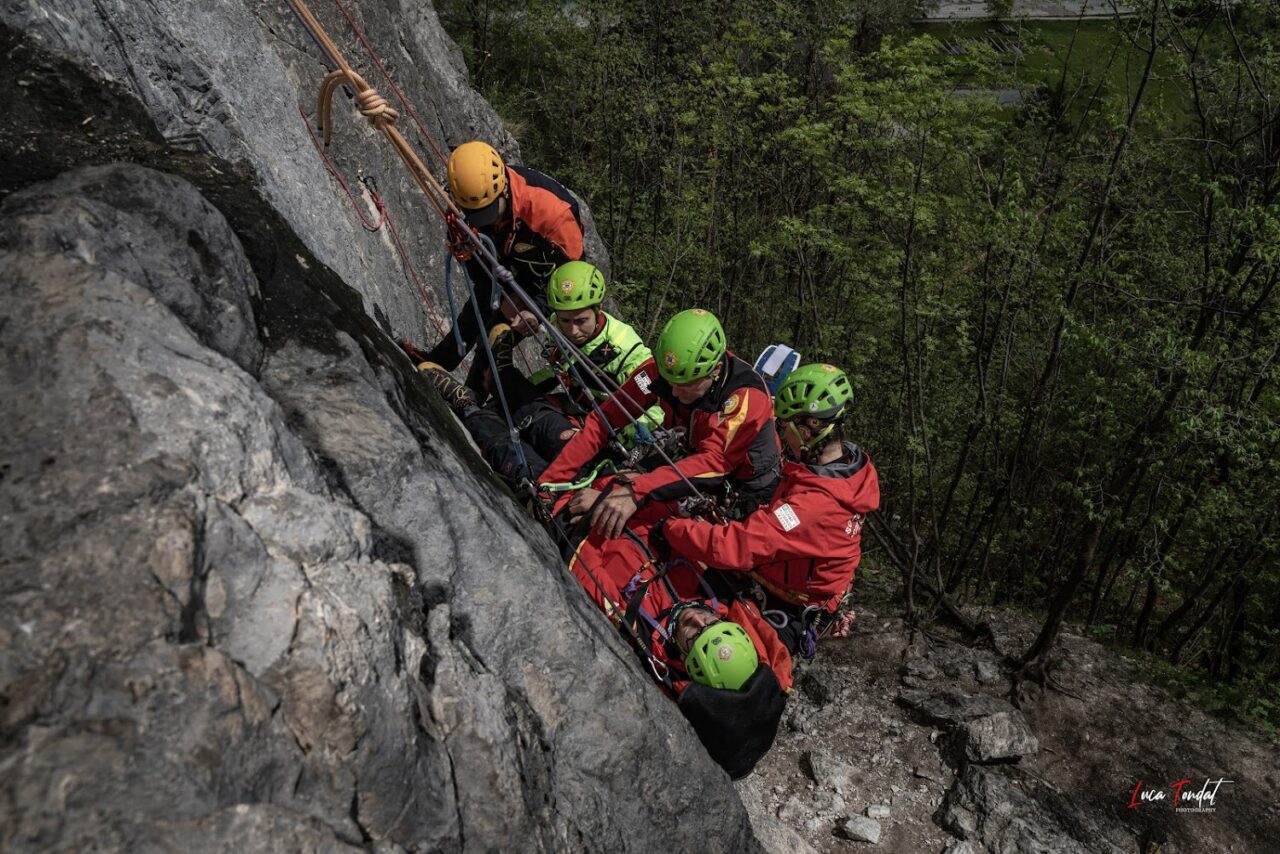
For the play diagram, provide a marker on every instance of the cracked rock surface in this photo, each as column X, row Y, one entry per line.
column 255, row 590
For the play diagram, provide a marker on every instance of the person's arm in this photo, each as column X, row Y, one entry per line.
column 594, row 435
column 718, row 453
column 586, row 444
column 801, row 526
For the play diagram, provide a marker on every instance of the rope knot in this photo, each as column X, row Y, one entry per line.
column 375, row 108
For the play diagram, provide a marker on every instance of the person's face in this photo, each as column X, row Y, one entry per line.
column 690, row 623
column 578, row 326
column 798, row 431
column 503, row 206
column 690, row 392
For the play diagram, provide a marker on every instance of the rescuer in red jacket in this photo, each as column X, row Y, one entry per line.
column 803, row 546
column 720, row 659
column 720, row 402
column 535, row 226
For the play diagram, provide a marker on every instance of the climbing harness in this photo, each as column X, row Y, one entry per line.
column 615, row 611
column 809, row 618
column 602, row 468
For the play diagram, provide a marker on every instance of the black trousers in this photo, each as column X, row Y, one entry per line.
column 544, row 430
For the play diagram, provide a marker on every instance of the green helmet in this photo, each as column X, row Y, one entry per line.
column 575, row 285
column 690, row 346
column 723, row 657
column 819, row 391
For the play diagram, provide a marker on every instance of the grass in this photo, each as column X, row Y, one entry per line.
column 1101, row 55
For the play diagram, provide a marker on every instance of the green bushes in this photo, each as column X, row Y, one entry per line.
column 1060, row 317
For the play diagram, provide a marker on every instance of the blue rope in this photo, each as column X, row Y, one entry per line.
column 497, row 382
column 453, row 309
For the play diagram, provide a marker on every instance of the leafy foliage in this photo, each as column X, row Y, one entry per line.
column 1061, row 316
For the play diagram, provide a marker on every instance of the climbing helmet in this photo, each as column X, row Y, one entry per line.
column 574, row 286
column 690, row 346
column 477, row 180
column 722, row 656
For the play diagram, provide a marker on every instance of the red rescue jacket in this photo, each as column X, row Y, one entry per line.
column 805, row 544
column 730, row 433
column 614, row 571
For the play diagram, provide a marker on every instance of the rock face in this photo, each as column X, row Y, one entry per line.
column 255, row 591
column 251, row 595
column 218, row 93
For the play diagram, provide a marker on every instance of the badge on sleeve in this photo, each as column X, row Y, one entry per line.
column 787, row 517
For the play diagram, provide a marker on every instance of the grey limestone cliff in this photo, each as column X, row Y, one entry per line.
column 256, row 592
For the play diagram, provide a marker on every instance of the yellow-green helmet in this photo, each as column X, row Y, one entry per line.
column 690, row 346
column 575, row 285
column 817, row 390
column 723, row 656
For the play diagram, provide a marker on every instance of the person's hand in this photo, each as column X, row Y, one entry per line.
column 525, row 323
column 613, row 511
column 844, row 624
column 581, row 503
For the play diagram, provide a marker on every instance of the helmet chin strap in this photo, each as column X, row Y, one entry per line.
column 811, row 449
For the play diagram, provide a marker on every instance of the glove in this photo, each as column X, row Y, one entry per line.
column 506, row 277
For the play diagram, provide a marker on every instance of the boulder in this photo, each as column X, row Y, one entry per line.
column 1004, row 735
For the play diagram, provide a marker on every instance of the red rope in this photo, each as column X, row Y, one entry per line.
column 383, row 217
column 408, row 107
column 333, row 170
column 373, row 55
column 413, row 272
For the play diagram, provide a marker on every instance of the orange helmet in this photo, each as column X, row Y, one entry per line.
column 477, row 179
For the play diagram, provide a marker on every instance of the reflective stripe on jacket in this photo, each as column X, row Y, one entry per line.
column 618, row 351
column 730, row 432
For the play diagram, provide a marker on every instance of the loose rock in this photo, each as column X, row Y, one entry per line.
column 986, row 672
column 828, row 772
column 859, row 829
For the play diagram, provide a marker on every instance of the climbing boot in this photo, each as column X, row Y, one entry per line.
column 502, row 341
column 455, row 394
